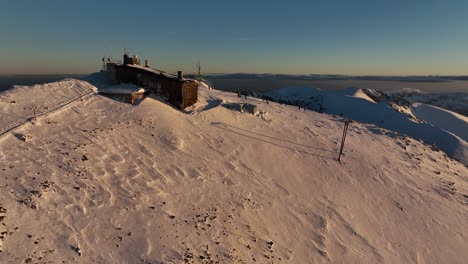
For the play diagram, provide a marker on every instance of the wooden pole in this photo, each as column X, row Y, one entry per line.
column 343, row 138
column 34, row 111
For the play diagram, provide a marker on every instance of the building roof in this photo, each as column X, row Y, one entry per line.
column 158, row 72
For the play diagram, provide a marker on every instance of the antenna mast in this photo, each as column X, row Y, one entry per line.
column 199, row 69
column 104, row 68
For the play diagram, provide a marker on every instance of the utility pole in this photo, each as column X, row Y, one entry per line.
column 343, row 138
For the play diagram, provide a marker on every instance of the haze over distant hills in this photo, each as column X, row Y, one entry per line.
column 268, row 81
column 405, row 78
column 7, row 81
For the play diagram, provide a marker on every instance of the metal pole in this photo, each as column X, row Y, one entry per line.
column 343, row 138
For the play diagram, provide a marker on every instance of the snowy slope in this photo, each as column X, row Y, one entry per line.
column 445, row 119
column 353, row 104
column 99, row 181
column 24, row 102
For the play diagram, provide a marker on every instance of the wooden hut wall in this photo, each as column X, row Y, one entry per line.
column 126, row 75
column 111, row 73
column 172, row 91
column 190, row 93
column 177, row 92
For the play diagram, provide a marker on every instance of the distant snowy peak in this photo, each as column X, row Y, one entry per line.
column 359, row 93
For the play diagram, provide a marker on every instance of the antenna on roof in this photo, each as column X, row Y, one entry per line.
column 199, row 69
column 103, row 69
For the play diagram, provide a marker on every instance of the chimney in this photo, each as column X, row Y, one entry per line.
column 146, row 63
column 180, row 75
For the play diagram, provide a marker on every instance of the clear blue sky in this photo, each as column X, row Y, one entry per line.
column 335, row 36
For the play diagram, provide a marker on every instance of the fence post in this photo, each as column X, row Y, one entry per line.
column 343, row 138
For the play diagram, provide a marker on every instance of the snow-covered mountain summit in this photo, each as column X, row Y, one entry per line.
column 95, row 180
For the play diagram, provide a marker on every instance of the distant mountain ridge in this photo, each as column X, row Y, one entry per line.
column 415, row 78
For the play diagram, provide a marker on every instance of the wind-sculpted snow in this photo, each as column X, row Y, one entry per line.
column 23, row 103
column 102, row 181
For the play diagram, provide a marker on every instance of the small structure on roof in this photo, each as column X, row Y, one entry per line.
column 129, row 93
column 179, row 91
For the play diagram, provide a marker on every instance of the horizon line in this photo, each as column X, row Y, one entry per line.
column 264, row 73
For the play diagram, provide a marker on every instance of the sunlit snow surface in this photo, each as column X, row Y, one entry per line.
column 95, row 180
